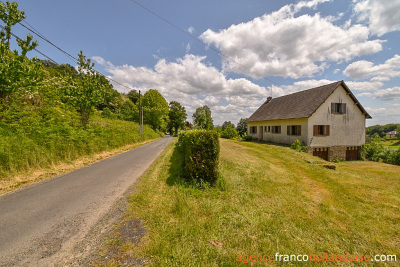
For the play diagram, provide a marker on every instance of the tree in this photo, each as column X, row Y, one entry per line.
column 227, row 124
column 202, row 118
column 241, row 127
column 129, row 111
column 177, row 116
column 155, row 109
column 88, row 90
column 17, row 73
column 133, row 95
column 229, row 133
column 10, row 15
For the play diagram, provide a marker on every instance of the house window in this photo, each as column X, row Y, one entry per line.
column 267, row 129
column 338, row 108
column 276, row 129
column 294, row 130
column 253, row 129
column 321, row 130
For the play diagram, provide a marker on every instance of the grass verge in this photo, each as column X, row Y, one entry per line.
column 275, row 200
column 38, row 151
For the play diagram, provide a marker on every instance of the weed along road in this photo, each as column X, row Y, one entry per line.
column 41, row 224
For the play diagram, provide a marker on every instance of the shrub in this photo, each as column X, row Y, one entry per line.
column 200, row 152
column 375, row 151
column 372, row 151
column 246, row 137
column 229, row 133
column 298, row 146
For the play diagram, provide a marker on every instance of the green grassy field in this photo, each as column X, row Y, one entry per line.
column 393, row 143
column 276, row 200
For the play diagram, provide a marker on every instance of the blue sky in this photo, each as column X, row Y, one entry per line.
column 296, row 44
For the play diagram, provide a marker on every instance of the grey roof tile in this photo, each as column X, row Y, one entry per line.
column 299, row 105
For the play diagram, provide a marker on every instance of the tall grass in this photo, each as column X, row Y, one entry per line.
column 42, row 143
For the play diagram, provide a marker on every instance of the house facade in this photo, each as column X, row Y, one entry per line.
column 391, row 134
column 328, row 119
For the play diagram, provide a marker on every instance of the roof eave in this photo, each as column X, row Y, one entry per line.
column 349, row 93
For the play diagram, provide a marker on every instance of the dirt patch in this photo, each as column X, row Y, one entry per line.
column 102, row 244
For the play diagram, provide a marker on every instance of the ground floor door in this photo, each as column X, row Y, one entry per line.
column 261, row 133
column 321, row 152
column 353, row 153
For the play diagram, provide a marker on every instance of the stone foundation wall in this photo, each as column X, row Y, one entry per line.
column 337, row 152
column 334, row 152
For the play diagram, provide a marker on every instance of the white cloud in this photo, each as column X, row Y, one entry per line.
column 364, row 86
column 390, row 113
column 381, row 15
column 193, row 83
column 373, row 111
column 191, row 30
column 298, row 86
column 383, row 72
column 187, row 48
column 385, row 94
column 281, row 44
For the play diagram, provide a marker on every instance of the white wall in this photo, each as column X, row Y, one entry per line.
column 345, row 129
column 282, row 138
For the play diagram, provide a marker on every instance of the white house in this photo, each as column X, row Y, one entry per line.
column 391, row 134
column 328, row 119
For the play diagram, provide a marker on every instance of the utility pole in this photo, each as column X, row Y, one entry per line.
column 140, row 115
column 142, row 124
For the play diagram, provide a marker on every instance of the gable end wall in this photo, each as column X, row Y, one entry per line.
column 345, row 129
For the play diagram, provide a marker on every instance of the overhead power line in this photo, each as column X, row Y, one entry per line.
column 74, row 59
column 34, row 31
column 16, row 37
column 196, row 38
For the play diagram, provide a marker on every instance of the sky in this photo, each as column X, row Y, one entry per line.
column 231, row 54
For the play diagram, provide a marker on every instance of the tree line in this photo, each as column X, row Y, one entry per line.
column 32, row 85
column 381, row 130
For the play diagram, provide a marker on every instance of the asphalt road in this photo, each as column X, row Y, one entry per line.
column 40, row 224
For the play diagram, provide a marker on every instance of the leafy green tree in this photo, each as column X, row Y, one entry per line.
column 129, row 111
column 17, row 73
column 10, row 15
column 133, row 95
column 88, row 91
column 177, row 116
column 155, row 109
column 227, row 124
column 202, row 118
column 229, row 133
column 398, row 132
column 27, row 45
column 241, row 127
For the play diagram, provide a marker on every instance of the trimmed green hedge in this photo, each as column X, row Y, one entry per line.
column 200, row 153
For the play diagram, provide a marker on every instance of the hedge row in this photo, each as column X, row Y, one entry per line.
column 200, row 152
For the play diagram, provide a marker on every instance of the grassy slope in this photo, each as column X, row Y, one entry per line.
column 393, row 143
column 43, row 149
column 274, row 202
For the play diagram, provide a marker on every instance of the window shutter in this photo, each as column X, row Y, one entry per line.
column 315, row 130
column 288, row 130
column 333, row 110
column 344, row 108
column 299, row 133
column 327, row 130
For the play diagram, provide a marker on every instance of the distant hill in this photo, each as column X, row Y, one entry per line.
column 381, row 130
